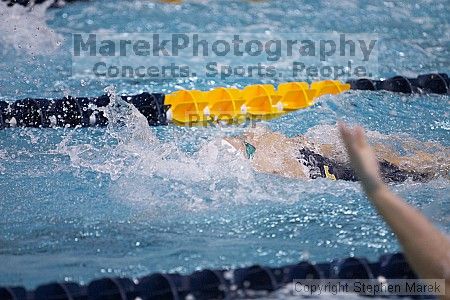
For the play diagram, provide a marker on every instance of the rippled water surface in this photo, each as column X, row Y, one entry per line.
column 130, row 200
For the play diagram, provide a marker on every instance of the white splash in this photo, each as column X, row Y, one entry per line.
column 138, row 162
column 25, row 29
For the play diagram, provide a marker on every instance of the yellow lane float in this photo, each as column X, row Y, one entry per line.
column 262, row 100
column 225, row 104
column 187, row 106
column 329, row 87
column 296, row 95
column 254, row 101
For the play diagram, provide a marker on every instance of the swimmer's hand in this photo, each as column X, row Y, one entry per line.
column 425, row 247
column 362, row 157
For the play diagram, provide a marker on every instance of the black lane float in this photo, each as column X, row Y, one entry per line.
column 76, row 112
column 55, row 3
column 220, row 284
column 260, row 100
column 428, row 83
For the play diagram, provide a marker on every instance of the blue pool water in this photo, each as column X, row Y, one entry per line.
column 131, row 200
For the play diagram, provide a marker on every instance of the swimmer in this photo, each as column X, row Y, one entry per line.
column 426, row 248
column 303, row 157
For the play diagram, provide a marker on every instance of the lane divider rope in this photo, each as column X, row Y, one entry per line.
column 194, row 107
column 221, row 284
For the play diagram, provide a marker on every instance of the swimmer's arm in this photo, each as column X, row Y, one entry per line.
column 420, row 161
column 426, row 248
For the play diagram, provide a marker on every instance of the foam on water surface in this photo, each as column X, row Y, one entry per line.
column 159, row 195
column 129, row 200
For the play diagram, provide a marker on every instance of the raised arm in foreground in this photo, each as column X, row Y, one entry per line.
column 426, row 248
